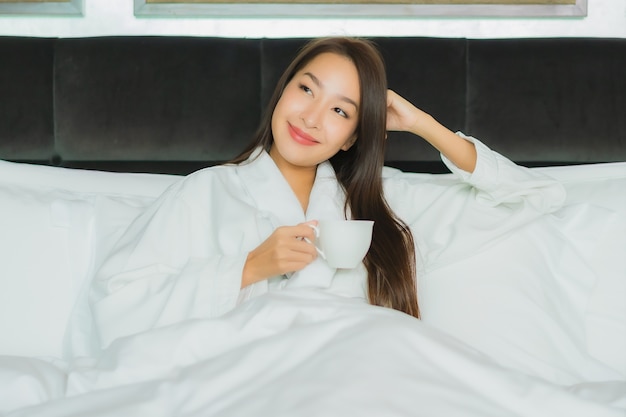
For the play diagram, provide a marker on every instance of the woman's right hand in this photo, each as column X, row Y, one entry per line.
column 285, row 250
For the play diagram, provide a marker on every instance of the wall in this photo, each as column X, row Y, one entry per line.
column 606, row 18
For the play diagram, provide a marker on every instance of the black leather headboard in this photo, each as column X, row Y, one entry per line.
column 175, row 104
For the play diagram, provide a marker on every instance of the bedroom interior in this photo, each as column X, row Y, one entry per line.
column 101, row 110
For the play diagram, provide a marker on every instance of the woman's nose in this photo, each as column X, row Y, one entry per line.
column 312, row 116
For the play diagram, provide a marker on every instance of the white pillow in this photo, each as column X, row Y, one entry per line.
column 39, row 266
column 549, row 298
column 521, row 301
column 47, row 226
column 597, row 212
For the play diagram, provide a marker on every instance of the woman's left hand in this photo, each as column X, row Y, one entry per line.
column 402, row 115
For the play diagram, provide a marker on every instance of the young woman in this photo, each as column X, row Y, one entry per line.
column 228, row 233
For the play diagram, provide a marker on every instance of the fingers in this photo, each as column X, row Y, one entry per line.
column 298, row 239
column 295, row 258
column 291, row 252
column 286, row 250
column 299, row 242
column 305, row 230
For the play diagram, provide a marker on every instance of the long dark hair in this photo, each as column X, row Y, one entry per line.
column 390, row 261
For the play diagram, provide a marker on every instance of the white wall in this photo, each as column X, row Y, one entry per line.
column 606, row 18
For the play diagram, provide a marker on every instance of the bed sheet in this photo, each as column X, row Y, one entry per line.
column 310, row 353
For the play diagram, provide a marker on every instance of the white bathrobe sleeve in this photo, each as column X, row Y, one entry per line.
column 455, row 215
column 172, row 264
column 497, row 180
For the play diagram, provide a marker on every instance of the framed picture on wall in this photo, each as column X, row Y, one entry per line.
column 362, row 8
column 42, row 7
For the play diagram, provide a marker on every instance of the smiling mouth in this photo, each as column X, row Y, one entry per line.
column 301, row 137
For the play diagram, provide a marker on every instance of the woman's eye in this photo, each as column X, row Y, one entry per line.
column 340, row 112
column 305, row 88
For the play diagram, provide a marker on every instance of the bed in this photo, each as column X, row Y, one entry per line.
column 530, row 322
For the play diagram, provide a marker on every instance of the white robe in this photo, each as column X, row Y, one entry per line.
column 183, row 257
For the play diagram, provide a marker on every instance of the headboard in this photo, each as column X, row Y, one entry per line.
column 176, row 104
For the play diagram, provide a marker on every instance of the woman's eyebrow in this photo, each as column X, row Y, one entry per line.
column 318, row 83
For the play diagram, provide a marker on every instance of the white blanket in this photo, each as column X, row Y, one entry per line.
column 302, row 353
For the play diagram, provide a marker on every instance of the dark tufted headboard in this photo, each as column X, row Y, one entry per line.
column 175, row 104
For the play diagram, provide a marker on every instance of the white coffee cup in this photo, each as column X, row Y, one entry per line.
column 343, row 243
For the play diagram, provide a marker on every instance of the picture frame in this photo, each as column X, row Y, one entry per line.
column 42, row 7
column 361, row 8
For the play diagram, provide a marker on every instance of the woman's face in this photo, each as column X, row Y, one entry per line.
column 317, row 113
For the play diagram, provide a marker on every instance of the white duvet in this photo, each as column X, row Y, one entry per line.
column 306, row 353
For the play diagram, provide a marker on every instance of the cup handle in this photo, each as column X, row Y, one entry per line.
column 317, row 233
